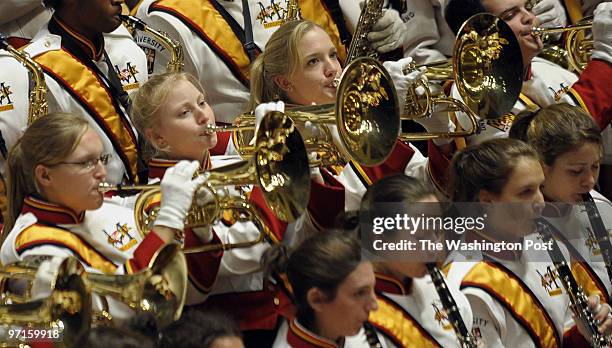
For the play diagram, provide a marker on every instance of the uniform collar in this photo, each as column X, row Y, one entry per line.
column 158, row 166
column 391, row 285
column 528, row 74
column 50, row 212
column 73, row 41
column 299, row 337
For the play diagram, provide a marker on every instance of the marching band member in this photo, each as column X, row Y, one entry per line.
column 544, row 82
column 403, row 287
column 299, row 66
column 515, row 296
column 333, row 289
column 55, row 208
column 220, row 44
column 172, row 111
column 570, row 147
column 91, row 63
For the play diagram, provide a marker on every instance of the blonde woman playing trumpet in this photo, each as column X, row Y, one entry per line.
column 173, row 112
column 300, row 66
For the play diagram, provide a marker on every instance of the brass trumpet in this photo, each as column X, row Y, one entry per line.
column 176, row 62
column 577, row 47
column 366, row 115
column 279, row 166
column 66, row 312
column 486, row 67
column 160, row 289
column 38, row 95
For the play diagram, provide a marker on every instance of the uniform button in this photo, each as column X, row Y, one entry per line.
column 276, row 301
column 47, row 44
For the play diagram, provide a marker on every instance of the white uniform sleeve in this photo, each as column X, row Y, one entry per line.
column 486, row 326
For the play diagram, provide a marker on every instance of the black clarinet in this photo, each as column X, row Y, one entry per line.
column 599, row 231
column 371, row 335
column 466, row 340
column 578, row 299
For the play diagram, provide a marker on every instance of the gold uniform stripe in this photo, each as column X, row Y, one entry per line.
column 399, row 325
column 39, row 235
column 86, row 85
column 507, row 289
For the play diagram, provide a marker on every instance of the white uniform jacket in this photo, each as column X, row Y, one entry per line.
column 75, row 85
column 516, row 298
column 416, row 318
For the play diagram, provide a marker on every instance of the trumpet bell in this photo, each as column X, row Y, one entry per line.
column 67, row 309
column 167, row 287
column 488, row 66
column 282, row 166
column 367, row 111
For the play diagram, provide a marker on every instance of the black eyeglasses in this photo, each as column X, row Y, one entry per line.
column 89, row 165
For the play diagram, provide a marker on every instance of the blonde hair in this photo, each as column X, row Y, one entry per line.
column 280, row 57
column 48, row 141
column 150, row 97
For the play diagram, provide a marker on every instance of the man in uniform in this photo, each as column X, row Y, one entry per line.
column 91, row 63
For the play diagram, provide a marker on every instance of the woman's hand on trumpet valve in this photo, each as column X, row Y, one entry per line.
column 403, row 82
column 602, row 32
column 177, row 190
column 262, row 109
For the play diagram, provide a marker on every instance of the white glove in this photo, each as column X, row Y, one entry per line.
column 550, row 13
column 45, row 276
column 602, row 32
column 403, row 82
column 262, row 110
column 388, row 33
column 177, row 188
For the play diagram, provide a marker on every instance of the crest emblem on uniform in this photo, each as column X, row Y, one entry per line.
column 120, row 238
column 503, row 124
column 272, row 15
column 591, row 243
column 6, row 103
column 557, row 95
column 441, row 316
column 127, row 76
column 549, row 281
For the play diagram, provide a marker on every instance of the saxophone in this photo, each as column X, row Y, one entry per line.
column 360, row 46
column 176, row 62
column 599, row 230
column 466, row 340
column 578, row 299
column 38, row 95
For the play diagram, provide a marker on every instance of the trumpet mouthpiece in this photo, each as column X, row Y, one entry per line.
column 537, row 31
column 105, row 187
column 210, row 129
column 336, row 81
